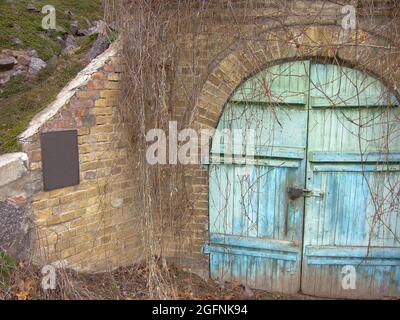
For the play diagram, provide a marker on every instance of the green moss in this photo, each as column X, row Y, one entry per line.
column 86, row 42
column 21, row 100
column 7, row 263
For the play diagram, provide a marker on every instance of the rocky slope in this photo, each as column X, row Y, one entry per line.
column 36, row 63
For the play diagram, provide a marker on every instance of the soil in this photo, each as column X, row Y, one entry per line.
column 130, row 283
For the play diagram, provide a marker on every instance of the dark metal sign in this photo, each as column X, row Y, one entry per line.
column 60, row 159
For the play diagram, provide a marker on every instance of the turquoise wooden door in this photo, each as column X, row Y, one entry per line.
column 255, row 230
column 324, row 148
column 353, row 158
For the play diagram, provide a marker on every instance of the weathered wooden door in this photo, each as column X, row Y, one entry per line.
column 255, row 229
column 353, row 158
column 324, row 148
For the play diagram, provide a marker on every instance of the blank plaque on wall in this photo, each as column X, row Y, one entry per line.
column 60, row 159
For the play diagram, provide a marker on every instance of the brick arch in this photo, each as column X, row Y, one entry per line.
column 245, row 58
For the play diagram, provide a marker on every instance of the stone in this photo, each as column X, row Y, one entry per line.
column 248, row 292
column 4, row 78
column 12, row 167
column 17, row 41
column 52, row 61
column 36, row 65
column 11, row 224
column 33, row 53
column 68, row 14
column 74, row 27
column 61, row 41
column 69, row 44
column 99, row 46
column 99, row 27
column 117, row 203
column 17, row 201
column 83, row 32
column 7, row 62
column 61, row 29
column 24, row 60
column 31, row 7
column 70, row 41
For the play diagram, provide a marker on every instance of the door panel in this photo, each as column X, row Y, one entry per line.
column 354, row 161
column 255, row 229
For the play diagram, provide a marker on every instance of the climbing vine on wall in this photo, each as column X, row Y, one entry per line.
column 156, row 35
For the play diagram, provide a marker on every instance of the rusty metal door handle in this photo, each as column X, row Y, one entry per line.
column 295, row 193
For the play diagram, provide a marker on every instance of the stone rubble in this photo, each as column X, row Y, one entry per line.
column 19, row 62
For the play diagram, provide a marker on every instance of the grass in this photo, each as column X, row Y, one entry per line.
column 18, row 22
column 6, row 266
column 20, row 99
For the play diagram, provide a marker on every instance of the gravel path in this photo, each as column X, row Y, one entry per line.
column 10, row 223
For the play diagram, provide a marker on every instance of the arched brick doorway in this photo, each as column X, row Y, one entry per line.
column 236, row 67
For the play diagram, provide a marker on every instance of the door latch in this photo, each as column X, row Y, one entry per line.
column 295, row 193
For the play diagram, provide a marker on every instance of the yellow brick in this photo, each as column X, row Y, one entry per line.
column 86, row 157
column 43, row 213
column 108, row 102
column 35, row 166
column 63, row 245
column 83, row 131
column 39, row 205
column 68, row 234
column 67, row 253
column 113, row 77
column 49, row 239
column 53, row 202
column 111, row 85
column 83, row 239
column 91, row 192
column 104, row 119
column 40, row 196
column 80, row 230
column 89, row 165
column 59, row 192
column 102, row 110
column 102, row 129
column 103, row 137
column 40, row 222
column 109, row 94
column 102, row 103
column 73, row 197
column 92, row 210
column 65, row 217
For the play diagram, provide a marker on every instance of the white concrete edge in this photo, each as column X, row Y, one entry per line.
column 7, row 158
column 13, row 166
column 67, row 93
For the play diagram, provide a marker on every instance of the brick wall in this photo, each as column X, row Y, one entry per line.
column 91, row 225
column 217, row 52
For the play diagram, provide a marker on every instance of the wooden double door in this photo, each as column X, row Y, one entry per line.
column 304, row 184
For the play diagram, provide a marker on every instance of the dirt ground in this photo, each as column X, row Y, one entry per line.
column 128, row 283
